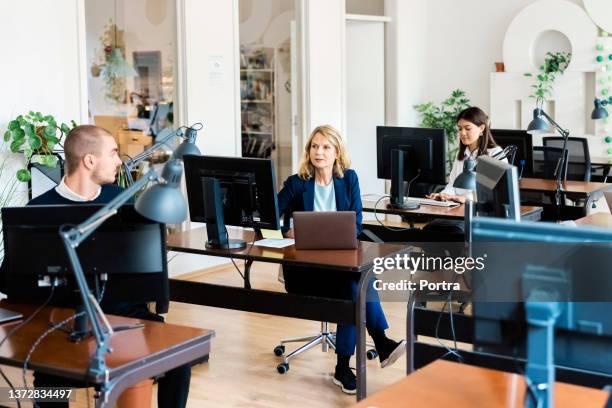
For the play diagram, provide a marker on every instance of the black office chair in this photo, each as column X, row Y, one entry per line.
column 579, row 165
column 546, row 161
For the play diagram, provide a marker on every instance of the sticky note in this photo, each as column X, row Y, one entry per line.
column 273, row 234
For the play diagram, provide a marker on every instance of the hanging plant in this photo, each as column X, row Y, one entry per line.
column 554, row 63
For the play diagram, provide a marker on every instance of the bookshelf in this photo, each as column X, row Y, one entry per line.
column 257, row 105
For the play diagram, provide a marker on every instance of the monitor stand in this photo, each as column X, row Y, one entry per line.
column 215, row 222
column 398, row 190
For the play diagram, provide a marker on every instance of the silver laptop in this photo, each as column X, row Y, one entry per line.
column 324, row 230
column 8, row 315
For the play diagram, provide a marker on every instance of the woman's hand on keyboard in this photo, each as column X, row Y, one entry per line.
column 447, row 197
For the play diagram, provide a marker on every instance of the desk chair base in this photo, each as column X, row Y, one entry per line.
column 325, row 338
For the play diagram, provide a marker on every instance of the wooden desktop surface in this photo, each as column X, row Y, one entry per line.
column 355, row 260
column 447, row 384
column 584, row 188
column 57, row 355
column 603, row 220
column 457, row 212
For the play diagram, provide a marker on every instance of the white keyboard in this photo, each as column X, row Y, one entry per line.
column 428, row 201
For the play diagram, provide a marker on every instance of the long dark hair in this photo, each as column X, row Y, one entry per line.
column 477, row 116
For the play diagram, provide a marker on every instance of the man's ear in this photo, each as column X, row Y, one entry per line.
column 89, row 161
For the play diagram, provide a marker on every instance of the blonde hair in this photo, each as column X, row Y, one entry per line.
column 306, row 170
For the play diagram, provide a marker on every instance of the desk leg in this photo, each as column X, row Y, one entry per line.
column 247, row 273
column 360, row 320
column 410, row 333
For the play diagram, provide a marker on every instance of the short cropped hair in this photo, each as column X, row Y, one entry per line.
column 81, row 141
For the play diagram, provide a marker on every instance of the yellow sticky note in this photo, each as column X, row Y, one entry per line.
column 274, row 234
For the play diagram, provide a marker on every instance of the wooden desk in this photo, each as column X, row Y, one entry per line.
column 358, row 261
column 603, row 220
column 447, row 384
column 137, row 354
column 582, row 189
column 530, row 213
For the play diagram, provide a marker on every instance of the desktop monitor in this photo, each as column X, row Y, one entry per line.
column 524, row 144
column 128, row 248
column 161, row 118
column 559, row 263
column 410, row 154
column 497, row 190
column 233, row 191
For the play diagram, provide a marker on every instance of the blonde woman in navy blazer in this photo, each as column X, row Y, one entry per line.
column 326, row 183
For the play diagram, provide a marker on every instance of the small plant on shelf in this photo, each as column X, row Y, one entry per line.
column 554, row 64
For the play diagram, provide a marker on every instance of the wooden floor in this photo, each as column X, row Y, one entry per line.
column 242, row 367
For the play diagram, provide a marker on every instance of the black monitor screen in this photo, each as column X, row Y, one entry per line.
column 524, row 144
column 426, row 151
column 248, row 189
column 127, row 247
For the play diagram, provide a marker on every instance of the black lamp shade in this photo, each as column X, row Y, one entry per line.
column 599, row 112
column 467, row 179
column 165, row 202
column 538, row 124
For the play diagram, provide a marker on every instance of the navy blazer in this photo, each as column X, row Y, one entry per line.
column 298, row 195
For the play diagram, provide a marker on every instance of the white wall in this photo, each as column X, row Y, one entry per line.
column 461, row 41
column 44, row 45
column 210, row 70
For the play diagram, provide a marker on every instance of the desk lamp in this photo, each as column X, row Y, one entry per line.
column 539, row 125
column 599, row 112
column 163, row 202
column 186, row 147
column 467, row 179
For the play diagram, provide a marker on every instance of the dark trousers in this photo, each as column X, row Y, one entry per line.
column 172, row 388
column 337, row 285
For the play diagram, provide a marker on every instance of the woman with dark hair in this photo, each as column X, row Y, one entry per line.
column 475, row 140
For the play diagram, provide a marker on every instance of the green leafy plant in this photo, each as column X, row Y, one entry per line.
column 444, row 116
column 554, row 64
column 36, row 135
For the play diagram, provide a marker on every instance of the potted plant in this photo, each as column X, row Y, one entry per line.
column 554, row 63
column 444, row 117
column 36, row 135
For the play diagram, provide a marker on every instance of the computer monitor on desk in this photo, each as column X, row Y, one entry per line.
column 545, row 294
column 124, row 259
column 233, row 191
column 497, row 190
column 410, row 154
column 524, row 144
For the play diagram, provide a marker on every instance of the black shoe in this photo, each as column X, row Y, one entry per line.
column 345, row 379
column 390, row 352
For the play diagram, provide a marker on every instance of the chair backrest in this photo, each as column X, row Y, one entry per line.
column 546, row 160
column 579, row 167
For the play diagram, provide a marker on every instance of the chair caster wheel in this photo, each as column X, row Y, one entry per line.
column 371, row 354
column 279, row 351
column 282, row 368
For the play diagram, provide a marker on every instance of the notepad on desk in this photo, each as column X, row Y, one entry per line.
column 274, row 243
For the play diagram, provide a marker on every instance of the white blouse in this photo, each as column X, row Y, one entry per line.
column 458, row 169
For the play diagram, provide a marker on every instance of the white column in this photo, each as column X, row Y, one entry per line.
column 406, row 59
column 208, row 92
column 321, row 38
